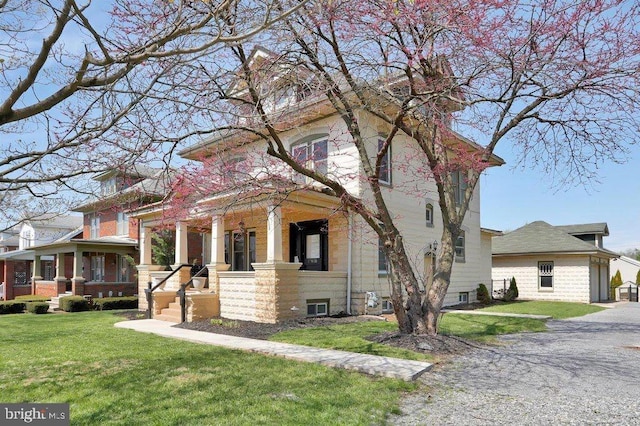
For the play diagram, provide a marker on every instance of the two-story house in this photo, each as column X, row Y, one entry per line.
column 97, row 258
column 276, row 254
column 564, row 263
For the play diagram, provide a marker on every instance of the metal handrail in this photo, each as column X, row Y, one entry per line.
column 182, row 293
column 151, row 288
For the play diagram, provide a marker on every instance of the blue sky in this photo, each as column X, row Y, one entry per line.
column 512, row 197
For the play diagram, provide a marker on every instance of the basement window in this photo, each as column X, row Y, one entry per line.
column 387, row 306
column 317, row 308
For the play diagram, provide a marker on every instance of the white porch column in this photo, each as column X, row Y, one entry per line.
column 78, row 265
column 36, row 268
column 145, row 244
column 182, row 254
column 59, row 267
column 217, row 240
column 274, row 235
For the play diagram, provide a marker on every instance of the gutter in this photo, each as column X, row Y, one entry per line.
column 349, row 250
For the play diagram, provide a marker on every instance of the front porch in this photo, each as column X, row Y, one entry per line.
column 265, row 264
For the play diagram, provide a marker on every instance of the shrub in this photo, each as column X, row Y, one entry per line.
column 74, row 304
column 638, row 277
column 109, row 303
column 38, row 307
column 483, row 294
column 512, row 291
column 12, row 307
column 616, row 282
column 32, row 298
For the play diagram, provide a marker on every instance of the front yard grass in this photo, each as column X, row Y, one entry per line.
column 120, row 377
column 557, row 310
column 352, row 337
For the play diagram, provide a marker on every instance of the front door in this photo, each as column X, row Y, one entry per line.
column 309, row 244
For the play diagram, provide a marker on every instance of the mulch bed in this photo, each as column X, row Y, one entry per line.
column 440, row 345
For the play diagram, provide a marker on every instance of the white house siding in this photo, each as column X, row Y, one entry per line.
column 571, row 277
column 407, row 198
column 628, row 268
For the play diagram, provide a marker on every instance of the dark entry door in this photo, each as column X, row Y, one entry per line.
column 309, row 244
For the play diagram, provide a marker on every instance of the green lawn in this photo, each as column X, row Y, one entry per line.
column 557, row 310
column 117, row 376
column 352, row 337
column 349, row 337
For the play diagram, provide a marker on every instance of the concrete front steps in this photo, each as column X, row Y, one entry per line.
column 172, row 313
column 54, row 303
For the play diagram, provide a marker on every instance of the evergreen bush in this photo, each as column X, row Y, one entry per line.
column 12, row 307
column 483, row 294
column 38, row 307
column 109, row 303
column 616, row 282
column 512, row 291
column 74, row 304
column 32, row 298
column 638, row 277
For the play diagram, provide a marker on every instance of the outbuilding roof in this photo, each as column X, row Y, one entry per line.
column 540, row 237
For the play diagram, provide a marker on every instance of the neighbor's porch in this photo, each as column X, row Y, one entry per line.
column 266, row 263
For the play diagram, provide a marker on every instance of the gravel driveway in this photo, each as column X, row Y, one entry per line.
column 583, row 371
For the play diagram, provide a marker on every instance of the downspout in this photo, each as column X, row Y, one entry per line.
column 349, row 245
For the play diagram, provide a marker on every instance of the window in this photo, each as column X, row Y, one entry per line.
column 545, row 274
column 383, row 264
column 240, row 250
column 387, row 306
column 317, row 308
column 94, row 223
column 385, row 164
column 122, row 223
column 459, row 181
column 312, row 155
column 463, row 297
column 123, row 269
column 235, row 170
column 460, row 247
column 428, row 213
column 97, row 267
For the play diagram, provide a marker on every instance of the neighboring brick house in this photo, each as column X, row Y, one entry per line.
column 17, row 254
column 98, row 259
column 300, row 254
column 564, row 263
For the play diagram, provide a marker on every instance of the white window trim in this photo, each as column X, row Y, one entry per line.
column 428, row 209
column 460, row 258
column 309, row 161
column 317, row 303
column 547, row 274
column 388, row 179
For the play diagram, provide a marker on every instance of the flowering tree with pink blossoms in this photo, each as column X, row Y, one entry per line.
column 558, row 80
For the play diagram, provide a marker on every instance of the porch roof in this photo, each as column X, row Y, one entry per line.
column 17, row 255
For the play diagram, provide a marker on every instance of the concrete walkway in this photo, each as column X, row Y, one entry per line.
column 370, row 364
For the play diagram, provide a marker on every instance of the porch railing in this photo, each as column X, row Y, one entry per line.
column 180, row 293
column 151, row 288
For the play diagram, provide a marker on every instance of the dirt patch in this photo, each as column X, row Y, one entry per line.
column 436, row 345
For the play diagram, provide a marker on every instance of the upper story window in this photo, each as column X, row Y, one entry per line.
column 27, row 237
column 94, row 225
column 428, row 213
column 235, row 169
column 385, row 165
column 122, row 223
column 459, row 181
column 460, row 247
column 312, row 154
